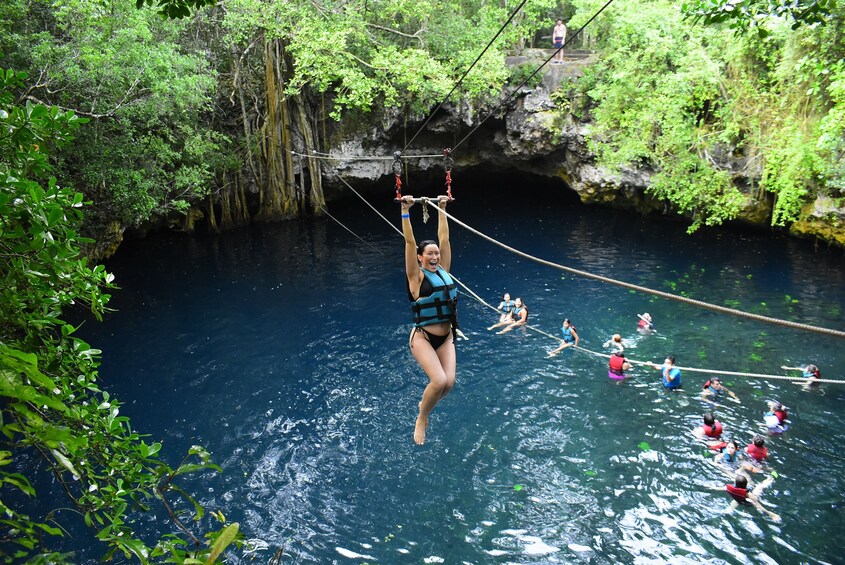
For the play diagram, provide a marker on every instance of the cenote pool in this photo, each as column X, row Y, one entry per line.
column 283, row 350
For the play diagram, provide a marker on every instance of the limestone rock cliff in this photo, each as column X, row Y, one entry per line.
column 530, row 133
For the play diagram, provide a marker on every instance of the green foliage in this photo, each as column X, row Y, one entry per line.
column 743, row 15
column 402, row 54
column 694, row 103
column 147, row 91
column 522, row 74
column 53, row 408
column 175, row 9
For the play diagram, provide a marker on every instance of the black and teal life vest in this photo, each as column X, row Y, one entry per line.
column 507, row 306
column 438, row 301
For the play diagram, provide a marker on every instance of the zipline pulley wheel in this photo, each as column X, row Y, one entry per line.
column 447, row 165
column 397, row 172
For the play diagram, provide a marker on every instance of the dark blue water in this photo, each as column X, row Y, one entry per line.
column 283, row 349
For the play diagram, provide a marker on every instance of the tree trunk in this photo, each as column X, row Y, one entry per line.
column 212, row 218
column 315, row 196
column 277, row 202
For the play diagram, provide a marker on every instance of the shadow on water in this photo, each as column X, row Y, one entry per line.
column 282, row 348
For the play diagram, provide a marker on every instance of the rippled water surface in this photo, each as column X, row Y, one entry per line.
column 283, row 349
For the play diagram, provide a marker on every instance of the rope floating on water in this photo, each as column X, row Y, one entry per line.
column 425, row 200
column 660, row 293
column 797, row 380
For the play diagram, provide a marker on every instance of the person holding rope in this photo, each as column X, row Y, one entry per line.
column 671, row 374
column 519, row 316
column 506, row 306
column 434, row 296
column 570, row 337
column 809, row 372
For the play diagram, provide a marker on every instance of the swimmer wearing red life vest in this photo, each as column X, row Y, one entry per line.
column 757, row 449
column 743, row 497
column 710, row 432
column 775, row 418
column 645, row 325
column 617, row 365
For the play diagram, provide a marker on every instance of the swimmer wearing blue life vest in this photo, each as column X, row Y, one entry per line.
column 570, row 337
column 714, row 391
column 434, row 296
column 506, row 307
column 809, row 372
column 518, row 317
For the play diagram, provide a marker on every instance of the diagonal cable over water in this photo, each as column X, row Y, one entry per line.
column 529, row 77
column 461, row 80
column 660, row 293
column 425, row 201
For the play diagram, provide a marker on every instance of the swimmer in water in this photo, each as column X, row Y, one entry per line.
column 809, row 372
column 519, row 316
column 645, row 325
column 775, row 418
column 710, row 432
column 743, row 497
column 506, row 306
column 731, row 461
column 714, row 391
column 617, row 365
column 615, row 342
column 570, row 337
column 671, row 375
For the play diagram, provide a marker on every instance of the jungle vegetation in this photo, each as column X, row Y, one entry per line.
column 112, row 115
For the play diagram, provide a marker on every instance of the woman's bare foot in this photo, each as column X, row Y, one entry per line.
column 419, row 430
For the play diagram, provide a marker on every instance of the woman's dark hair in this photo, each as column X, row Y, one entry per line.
column 733, row 443
column 709, row 420
column 423, row 244
column 758, row 440
column 671, row 358
column 740, row 481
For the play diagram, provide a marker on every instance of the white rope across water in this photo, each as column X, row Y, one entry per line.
column 426, row 201
column 650, row 363
column 670, row 296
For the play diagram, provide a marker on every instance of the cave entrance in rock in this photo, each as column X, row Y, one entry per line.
column 487, row 183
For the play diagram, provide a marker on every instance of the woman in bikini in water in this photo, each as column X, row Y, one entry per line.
column 434, row 298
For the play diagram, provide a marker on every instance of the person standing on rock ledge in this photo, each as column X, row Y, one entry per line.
column 558, row 39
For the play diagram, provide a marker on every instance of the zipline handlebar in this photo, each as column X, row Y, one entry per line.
column 427, row 199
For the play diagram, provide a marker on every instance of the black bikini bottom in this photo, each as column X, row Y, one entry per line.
column 435, row 340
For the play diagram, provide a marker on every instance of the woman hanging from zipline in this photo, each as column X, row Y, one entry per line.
column 435, row 297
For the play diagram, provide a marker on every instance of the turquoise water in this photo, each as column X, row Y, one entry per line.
column 283, row 349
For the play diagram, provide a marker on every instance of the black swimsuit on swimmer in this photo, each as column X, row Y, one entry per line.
column 435, row 340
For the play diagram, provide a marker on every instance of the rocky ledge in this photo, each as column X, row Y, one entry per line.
column 529, row 133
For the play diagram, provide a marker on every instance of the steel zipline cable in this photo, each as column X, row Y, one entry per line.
column 461, row 80
column 532, row 75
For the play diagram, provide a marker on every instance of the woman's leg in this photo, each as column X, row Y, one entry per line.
column 448, row 362
column 438, row 381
